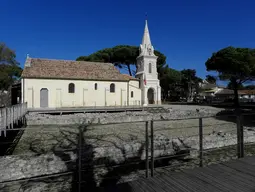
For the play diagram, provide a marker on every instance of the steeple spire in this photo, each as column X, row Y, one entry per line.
column 146, row 48
column 146, row 35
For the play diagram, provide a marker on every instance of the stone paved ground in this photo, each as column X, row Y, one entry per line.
column 43, row 138
column 49, row 136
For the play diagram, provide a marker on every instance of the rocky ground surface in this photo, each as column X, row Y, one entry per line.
column 166, row 112
column 49, row 147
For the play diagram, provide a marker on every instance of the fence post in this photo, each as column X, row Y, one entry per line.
column 147, row 149
column 238, row 135
column 80, row 160
column 241, row 137
column 152, row 149
column 201, row 142
column 2, row 128
column 240, row 147
column 13, row 117
column 6, row 118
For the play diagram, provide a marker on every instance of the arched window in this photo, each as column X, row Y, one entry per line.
column 132, row 94
column 95, row 86
column 112, row 88
column 149, row 67
column 71, row 88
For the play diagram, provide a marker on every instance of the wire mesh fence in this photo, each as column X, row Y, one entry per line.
column 88, row 155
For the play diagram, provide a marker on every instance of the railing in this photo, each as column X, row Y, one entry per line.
column 200, row 144
column 83, row 156
column 10, row 116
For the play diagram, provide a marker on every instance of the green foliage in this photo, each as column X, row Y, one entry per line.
column 250, row 87
column 178, row 83
column 239, row 86
column 190, row 82
column 122, row 56
column 170, row 80
column 9, row 69
column 211, row 79
column 234, row 64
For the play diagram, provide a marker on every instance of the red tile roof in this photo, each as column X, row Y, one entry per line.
column 128, row 77
column 67, row 69
column 246, row 92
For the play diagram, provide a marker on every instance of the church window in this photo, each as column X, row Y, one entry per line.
column 71, row 88
column 132, row 94
column 112, row 88
column 95, row 86
column 149, row 67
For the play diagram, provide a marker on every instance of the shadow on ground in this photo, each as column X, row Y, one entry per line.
column 75, row 153
column 9, row 142
column 248, row 116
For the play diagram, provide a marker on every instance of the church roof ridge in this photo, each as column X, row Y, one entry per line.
column 67, row 60
column 69, row 69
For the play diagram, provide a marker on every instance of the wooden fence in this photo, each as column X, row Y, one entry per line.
column 9, row 116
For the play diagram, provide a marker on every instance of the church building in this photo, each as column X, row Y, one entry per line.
column 49, row 83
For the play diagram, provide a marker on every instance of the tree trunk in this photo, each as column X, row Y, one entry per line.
column 236, row 98
column 129, row 70
column 189, row 92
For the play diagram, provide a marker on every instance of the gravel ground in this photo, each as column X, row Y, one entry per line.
column 51, row 133
column 45, row 136
column 164, row 112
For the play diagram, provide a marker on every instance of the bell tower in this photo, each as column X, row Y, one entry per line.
column 147, row 71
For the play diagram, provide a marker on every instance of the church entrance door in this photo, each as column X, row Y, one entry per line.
column 44, row 98
column 150, row 96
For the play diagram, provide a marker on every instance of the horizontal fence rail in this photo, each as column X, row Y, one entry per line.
column 91, row 154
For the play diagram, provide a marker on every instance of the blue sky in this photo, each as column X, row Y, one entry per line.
column 186, row 31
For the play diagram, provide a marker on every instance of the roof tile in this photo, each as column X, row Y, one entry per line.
column 67, row 69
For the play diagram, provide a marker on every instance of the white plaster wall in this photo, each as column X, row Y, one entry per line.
column 151, row 78
column 247, row 96
column 134, row 86
column 85, row 93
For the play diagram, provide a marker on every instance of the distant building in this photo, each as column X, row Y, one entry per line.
column 209, row 89
column 48, row 83
column 243, row 95
column 247, row 94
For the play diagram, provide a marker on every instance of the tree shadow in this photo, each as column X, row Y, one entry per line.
column 82, row 165
column 115, row 171
column 83, row 178
column 77, row 150
column 72, row 148
column 229, row 115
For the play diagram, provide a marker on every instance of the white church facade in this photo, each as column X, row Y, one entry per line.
column 49, row 83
